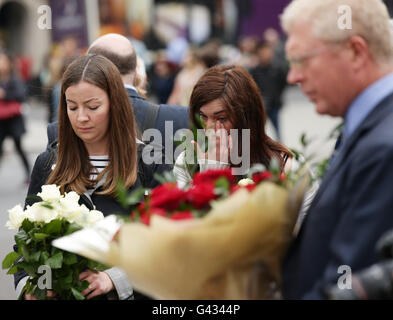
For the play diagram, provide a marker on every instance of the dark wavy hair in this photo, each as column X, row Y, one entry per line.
column 236, row 89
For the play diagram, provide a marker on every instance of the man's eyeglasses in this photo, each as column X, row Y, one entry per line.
column 300, row 61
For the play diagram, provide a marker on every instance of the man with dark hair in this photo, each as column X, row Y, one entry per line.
column 120, row 51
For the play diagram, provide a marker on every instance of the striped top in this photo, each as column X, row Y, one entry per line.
column 99, row 163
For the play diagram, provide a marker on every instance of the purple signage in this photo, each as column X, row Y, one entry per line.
column 259, row 15
column 69, row 19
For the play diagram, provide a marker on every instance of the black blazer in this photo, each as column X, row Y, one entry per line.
column 178, row 116
column 350, row 212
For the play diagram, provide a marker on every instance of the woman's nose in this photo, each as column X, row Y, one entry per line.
column 82, row 115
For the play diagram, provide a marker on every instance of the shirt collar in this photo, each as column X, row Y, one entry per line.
column 129, row 86
column 365, row 102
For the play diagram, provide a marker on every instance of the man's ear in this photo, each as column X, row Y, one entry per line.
column 360, row 52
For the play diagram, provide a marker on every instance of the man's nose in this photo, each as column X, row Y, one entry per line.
column 294, row 76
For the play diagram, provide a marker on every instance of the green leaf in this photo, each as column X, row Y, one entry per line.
column 121, row 193
column 21, row 237
column 69, row 258
column 82, row 285
column 96, row 266
column 55, row 261
column 68, row 278
column 44, row 256
column 10, row 259
column 53, row 227
column 27, row 225
column 35, row 257
column 33, row 198
column 274, row 166
column 72, row 227
column 31, row 269
column 25, row 252
column 40, row 236
column 222, row 186
column 13, row 270
column 135, row 197
column 77, row 294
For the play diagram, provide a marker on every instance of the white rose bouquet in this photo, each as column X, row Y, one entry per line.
column 52, row 217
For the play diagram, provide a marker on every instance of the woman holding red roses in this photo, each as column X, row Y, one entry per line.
column 227, row 98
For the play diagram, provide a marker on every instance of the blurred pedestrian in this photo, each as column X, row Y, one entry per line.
column 271, row 80
column 12, row 94
column 163, row 77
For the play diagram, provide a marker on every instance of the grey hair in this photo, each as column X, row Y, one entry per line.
column 370, row 20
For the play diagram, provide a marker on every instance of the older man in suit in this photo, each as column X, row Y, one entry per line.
column 167, row 119
column 344, row 65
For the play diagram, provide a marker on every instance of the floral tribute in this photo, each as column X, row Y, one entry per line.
column 168, row 200
column 51, row 217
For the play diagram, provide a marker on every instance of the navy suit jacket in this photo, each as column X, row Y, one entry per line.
column 178, row 116
column 351, row 210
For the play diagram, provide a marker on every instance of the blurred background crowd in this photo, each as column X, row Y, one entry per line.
column 176, row 41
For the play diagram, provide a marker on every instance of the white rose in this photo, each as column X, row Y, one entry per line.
column 80, row 216
column 50, row 192
column 94, row 216
column 16, row 216
column 245, row 182
column 38, row 213
column 69, row 206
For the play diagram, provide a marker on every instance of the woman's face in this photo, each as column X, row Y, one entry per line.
column 214, row 114
column 88, row 112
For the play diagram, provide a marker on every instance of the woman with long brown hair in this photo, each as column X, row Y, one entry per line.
column 227, row 98
column 97, row 146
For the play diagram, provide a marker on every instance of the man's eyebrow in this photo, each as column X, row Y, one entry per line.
column 218, row 112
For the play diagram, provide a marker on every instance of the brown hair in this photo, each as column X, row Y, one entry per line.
column 73, row 168
column 237, row 90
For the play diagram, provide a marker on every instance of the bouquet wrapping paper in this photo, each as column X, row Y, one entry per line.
column 234, row 252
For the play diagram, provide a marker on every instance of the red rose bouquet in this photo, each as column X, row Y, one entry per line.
column 219, row 239
column 168, row 200
column 228, row 245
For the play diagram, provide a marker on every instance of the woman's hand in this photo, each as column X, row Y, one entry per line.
column 30, row 296
column 100, row 283
column 219, row 144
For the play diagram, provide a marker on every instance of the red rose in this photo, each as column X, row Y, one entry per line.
column 201, row 194
column 182, row 215
column 258, row 177
column 145, row 216
column 212, row 175
column 249, row 187
column 167, row 196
